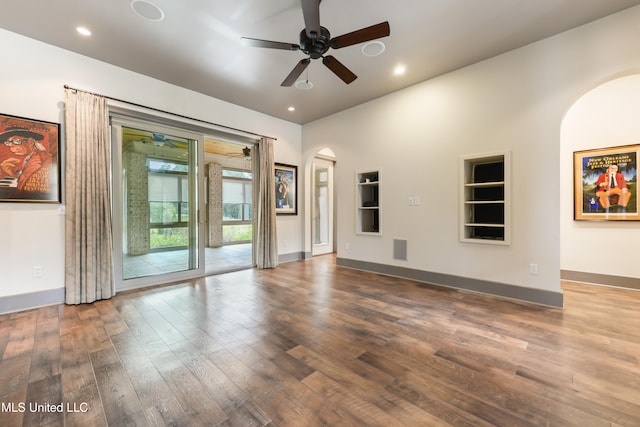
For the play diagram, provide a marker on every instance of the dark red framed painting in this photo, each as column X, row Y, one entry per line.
column 29, row 160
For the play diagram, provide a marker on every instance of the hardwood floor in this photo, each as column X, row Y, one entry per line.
column 311, row 344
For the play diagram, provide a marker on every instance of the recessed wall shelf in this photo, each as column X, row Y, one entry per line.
column 368, row 203
column 485, row 204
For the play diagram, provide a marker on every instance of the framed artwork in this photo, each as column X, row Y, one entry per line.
column 606, row 184
column 286, row 179
column 29, row 160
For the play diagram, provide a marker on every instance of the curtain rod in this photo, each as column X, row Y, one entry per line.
column 169, row 112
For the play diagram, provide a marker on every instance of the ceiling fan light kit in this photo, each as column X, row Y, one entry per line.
column 304, row 85
column 315, row 42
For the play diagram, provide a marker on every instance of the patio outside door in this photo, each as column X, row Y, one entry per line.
column 155, row 201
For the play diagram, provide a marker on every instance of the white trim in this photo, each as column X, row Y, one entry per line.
column 199, row 216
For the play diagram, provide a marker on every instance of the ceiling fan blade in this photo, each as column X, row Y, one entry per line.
column 295, row 73
column 363, row 35
column 311, row 13
column 339, row 69
column 268, row 44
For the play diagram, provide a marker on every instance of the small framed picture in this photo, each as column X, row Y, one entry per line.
column 606, row 184
column 29, row 160
column 286, row 180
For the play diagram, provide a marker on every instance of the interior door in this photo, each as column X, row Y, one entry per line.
column 322, row 216
column 156, row 200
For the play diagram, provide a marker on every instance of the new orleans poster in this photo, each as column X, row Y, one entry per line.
column 606, row 183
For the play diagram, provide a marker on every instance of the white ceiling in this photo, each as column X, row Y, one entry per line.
column 197, row 44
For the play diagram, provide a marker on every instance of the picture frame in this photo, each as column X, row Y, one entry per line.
column 29, row 160
column 286, row 184
column 606, row 184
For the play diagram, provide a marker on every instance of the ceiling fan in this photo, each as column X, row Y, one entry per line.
column 315, row 41
column 161, row 140
column 244, row 154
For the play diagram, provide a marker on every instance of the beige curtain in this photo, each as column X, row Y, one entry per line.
column 266, row 240
column 88, row 245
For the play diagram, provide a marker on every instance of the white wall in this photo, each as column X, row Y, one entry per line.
column 31, row 85
column 606, row 116
column 513, row 102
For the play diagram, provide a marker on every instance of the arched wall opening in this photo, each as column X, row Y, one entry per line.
column 605, row 251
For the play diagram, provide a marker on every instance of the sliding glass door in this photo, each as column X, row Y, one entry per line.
column 156, row 203
column 231, row 207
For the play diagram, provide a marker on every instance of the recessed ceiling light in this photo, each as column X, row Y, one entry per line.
column 291, row 109
column 303, row 84
column 399, row 70
column 83, row 30
column 147, row 10
column 373, row 48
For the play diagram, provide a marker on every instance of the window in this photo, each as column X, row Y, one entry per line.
column 237, row 206
column 168, row 204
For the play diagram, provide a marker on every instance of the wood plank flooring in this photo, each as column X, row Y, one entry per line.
column 312, row 344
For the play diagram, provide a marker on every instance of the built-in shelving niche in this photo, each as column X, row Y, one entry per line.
column 485, row 204
column 368, row 203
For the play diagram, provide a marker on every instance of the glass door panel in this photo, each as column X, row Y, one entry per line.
column 157, row 228
column 231, row 213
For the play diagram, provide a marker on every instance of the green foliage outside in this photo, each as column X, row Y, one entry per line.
column 168, row 212
column 236, row 211
column 237, row 233
column 161, row 238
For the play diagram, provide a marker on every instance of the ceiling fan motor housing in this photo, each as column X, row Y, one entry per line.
column 315, row 41
column 317, row 47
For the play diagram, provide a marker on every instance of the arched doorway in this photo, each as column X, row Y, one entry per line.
column 604, row 117
column 322, row 203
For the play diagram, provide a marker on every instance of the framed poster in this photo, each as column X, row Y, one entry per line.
column 286, row 179
column 606, row 184
column 29, row 160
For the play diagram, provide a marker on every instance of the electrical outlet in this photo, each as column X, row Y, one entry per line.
column 533, row 269
column 37, row 271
